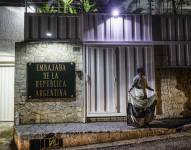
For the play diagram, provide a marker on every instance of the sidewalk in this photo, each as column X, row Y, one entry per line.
column 78, row 134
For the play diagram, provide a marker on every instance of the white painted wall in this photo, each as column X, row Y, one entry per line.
column 11, row 31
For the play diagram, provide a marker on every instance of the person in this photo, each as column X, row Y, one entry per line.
column 140, row 110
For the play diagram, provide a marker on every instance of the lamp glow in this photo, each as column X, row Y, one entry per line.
column 48, row 34
column 115, row 12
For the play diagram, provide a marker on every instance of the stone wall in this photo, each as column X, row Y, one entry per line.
column 174, row 93
column 51, row 110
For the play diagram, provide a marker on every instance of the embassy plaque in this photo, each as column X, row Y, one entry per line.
column 51, row 80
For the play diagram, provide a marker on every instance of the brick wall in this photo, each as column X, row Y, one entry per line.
column 174, row 93
column 50, row 111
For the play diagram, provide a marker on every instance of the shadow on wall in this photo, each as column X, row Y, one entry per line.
column 173, row 87
column 183, row 78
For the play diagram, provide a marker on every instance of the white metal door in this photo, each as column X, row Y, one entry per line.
column 109, row 74
column 6, row 92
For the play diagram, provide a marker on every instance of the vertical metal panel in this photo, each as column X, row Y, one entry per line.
column 173, row 55
column 53, row 26
column 93, row 76
column 130, row 65
column 146, row 25
column 180, row 28
column 137, row 27
column 62, row 27
column 164, row 26
column 117, row 28
column 122, row 80
column 110, row 79
column 187, row 28
column 88, row 79
column 72, row 27
column 108, row 27
column 139, row 57
column 34, row 27
column 188, row 55
column 6, row 93
column 44, row 26
column 27, row 28
column 128, row 28
column 181, row 55
column 91, row 27
column 100, row 80
column 172, row 28
column 79, row 25
column 149, row 67
column 99, row 23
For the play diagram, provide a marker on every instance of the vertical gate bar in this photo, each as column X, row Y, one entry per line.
column 137, row 27
column 100, row 27
column 108, row 28
column 149, row 67
column 62, row 27
column 109, row 80
column 34, row 28
column 100, row 80
column 122, row 81
column 88, row 84
column 181, row 55
column 93, row 79
column 130, row 66
column 172, row 29
column 139, row 56
column 188, row 54
column 115, row 79
column 91, row 27
column 128, row 28
column 173, row 55
column 53, row 26
column 164, row 25
column 179, row 28
column 146, row 28
column 43, row 26
column 116, row 28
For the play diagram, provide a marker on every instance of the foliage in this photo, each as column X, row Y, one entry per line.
column 66, row 7
column 87, row 6
column 45, row 8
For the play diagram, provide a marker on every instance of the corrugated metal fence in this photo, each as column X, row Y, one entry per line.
column 110, row 71
column 60, row 26
column 104, row 27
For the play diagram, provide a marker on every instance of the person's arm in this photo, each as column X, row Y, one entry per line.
column 149, row 88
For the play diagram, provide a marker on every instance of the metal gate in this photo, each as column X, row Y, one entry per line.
column 6, row 92
column 109, row 74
